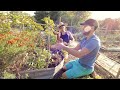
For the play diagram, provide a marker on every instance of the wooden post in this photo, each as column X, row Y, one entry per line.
column 49, row 43
column 71, row 21
column 60, row 20
column 118, row 73
column 23, row 26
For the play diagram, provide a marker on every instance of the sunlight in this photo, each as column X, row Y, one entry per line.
column 100, row 15
column 30, row 12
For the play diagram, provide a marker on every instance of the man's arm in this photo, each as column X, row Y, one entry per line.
column 77, row 47
column 73, row 51
column 58, row 38
column 76, row 53
column 84, row 51
column 71, row 36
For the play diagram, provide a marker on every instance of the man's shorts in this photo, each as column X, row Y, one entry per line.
column 74, row 69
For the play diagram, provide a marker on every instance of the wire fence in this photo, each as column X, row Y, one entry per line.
column 109, row 38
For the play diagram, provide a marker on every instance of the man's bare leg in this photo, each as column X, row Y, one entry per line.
column 64, row 75
column 59, row 73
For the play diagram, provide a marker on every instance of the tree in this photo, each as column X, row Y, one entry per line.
column 55, row 15
column 110, row 24
column 73, row 18
column 16, row 19
column 70, row 17
column 16, row 12
column 39, row 15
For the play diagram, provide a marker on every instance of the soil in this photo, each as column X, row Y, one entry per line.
column 102, row 72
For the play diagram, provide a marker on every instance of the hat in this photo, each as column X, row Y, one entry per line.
column 90, row 22
column 61, row 24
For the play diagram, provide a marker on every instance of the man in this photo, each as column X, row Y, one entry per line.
column 86, row 51
column 64, row 36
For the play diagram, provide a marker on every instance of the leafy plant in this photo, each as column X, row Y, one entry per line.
column 19, row 47
column 7, row 75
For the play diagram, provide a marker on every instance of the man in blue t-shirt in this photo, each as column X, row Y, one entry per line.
column 86, row 51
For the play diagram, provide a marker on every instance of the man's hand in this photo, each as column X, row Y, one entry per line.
column 55, row 32
column 58, row 46
column 65, row 43
column 61, row 40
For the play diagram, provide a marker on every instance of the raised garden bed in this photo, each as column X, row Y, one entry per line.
column 46, row 73
column 108, row 65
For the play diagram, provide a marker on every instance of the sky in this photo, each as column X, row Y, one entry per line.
column 30, row 12
column 99, row 15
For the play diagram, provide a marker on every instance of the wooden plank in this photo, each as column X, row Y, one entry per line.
column 43, row 77
column 46, row 73
column 38, row 73
column 57, row 68
column 108, row 64
column 109, row 41
column 109, row 30
column 102, row 72
column 113, row 49
column 110, row 49
column 118, row 74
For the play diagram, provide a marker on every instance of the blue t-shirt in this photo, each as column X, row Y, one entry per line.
column 93, row 44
